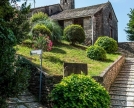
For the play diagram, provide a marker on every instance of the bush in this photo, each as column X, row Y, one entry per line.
column 74, row 33
column 40, row 29
column 109, row 44
column 96, row 53
column 38, row 16
column 27, row 42
column 41, row 18
column 79, row 91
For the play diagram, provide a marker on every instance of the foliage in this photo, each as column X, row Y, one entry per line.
column 3, row 103
column 96, row 53
column 79, row 91
column 109, row 44
column 12, row 77
column 41, row 37
column 130, row 26
column 74, row 33
column 41, row 29
column 42, row 42
column 38, row 16
column 28, row 42
column 16, row 19
column 56, row 31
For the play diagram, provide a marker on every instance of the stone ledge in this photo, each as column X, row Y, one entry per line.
column 108, row 76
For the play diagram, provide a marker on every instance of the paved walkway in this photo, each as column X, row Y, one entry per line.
column 122, row 91
column 24, row 100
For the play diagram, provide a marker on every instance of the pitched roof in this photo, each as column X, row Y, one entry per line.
column 79, row 12
column 45, row 6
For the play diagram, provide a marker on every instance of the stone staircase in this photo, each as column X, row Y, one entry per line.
column 122, row 90
column 24, row 100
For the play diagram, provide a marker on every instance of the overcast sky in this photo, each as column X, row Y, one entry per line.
column 121, row 8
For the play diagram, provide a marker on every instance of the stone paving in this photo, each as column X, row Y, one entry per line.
column 122, row 90
column 24, row 100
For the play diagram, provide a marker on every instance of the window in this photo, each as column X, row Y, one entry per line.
column 65, row 1
column 111, row 32
column 78, row 21
column 51, row 11
column 110, row 16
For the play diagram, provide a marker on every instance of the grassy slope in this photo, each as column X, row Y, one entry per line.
column 53, row 60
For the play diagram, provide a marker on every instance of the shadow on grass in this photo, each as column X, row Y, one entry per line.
column 58, row 50
column 80, row 47
column 54, row 59
column 109, row 60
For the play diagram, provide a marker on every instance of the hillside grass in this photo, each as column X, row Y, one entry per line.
column 53, row 60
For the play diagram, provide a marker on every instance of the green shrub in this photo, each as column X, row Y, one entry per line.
column 96, row 53
column 27, row 42
column 79, row 91
column 56, row 31
column 74, row 33
column 40, row 30
column 38, row 16
column 109, row 44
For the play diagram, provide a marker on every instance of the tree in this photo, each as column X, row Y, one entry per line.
column 13, row 77
column 130, row 26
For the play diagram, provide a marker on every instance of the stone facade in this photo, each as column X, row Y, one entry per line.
column 110, row 25
column 97, row 20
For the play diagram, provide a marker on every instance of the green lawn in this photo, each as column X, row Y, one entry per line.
column 53, row 60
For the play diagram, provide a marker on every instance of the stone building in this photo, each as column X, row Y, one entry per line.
column 97, row 20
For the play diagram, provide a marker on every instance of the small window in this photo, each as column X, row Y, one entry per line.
column 65, row 1
column 110, row 16
column 51, row 11
column 111, row 32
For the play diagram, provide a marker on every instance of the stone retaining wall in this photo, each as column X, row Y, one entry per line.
column 109, row 74
column 126, row 48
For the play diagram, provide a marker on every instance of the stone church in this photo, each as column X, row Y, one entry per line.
column 97, row 20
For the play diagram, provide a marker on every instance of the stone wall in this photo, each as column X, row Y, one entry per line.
column 87, row 26
column 98, row 26
column 126, row 48
column 67, row 22
column 109, row 74
column 47, row 86
column 110, row 23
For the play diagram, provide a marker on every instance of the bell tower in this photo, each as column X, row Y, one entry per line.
column 67, row 4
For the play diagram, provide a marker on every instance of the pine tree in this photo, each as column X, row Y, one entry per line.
column 130, row 26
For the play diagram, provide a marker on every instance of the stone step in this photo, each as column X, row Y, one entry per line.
column 124, row 79
column 126, row 89
column 124, row 82
column 122, row 103
column 125, row 98
column 125, row 76
column 122, row 85
column 26, row 105
column 123, row 73
column 126, row 69
column 118, row 106
column 122, row 93
column 27, row 98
